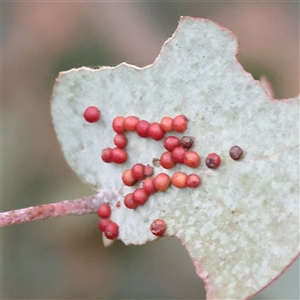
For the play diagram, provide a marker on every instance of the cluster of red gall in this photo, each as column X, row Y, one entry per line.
column 178, row 152
column 110, row 228
column 144, row 129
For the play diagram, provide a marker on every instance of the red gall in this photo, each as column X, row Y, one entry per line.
column 139, row 196
column 178, row 155
column 179, row 180
column 148, row 171
column 120, row 141
column 187, row 142
column 213, row 160
column 148, row 186
column 171, row 142
column 155, row 131
column 138, row 171
column 166, row 124
column 167, row 161
column 142, row 128
column 106, row 155
column 128, row 201
column 193, row 181
column 162, row 181
column 191, row 159
column 104, row 210
column 118, row 125
column 119, row 156
column 236, row 152
column 102, row 224
column 128, row 178
column 111, row 231
column 180, row 123
column 130, row 123
column 158, row 227
column 91, row 114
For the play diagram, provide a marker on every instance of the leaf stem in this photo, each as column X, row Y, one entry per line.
column 82, row 206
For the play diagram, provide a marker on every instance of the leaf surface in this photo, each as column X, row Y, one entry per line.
column 241, row 225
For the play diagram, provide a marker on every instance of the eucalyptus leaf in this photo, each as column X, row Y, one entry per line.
column 241, row 225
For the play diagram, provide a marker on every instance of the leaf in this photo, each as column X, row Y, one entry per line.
column 241, row 225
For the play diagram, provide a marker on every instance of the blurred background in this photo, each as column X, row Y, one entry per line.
column 64, row 258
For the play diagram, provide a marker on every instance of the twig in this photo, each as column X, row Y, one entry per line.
column 82, row 206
